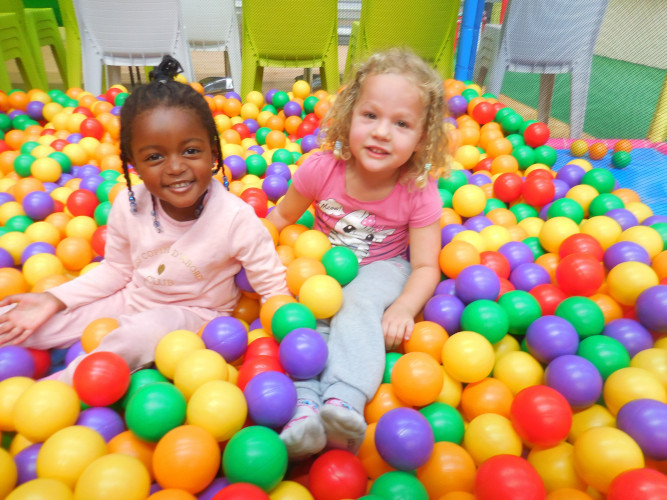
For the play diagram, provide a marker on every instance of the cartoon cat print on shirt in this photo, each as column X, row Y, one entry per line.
column 355, row 230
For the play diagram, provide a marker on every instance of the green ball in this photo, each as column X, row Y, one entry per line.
column 525, row 125
column 523, row 211
column 282, row 155
column 661, row 227
column 22, row 164
column 140, row 379
column 521, row 308
column 533, row 242
column 306, row 219
column 59, row 97
column 120, row 98
column 154, row 410
column 525, row 156
column 290, row 316
column 487, row 318
column 446, row 422
column 256, row 165
column 469, row 94
column 546, row 155
column 621, row 159
column 103, row 190
column 101, row 213
column 260, row 135
column 295, row 156
column 5, row 122
column 604, row 202
column 516, row 140
column 446, row 197
column 109, row 174
column 341, row 264
column 255, row 455
column 502, row 113
column 493, row 203
column 28, row 146
column 399, row 485
column 606, row 353
column 584, row 314
column 279, row 100
column 309, row 103
column 390, row 360
column 453, row 181
column 566, row 207
column 21, row 122
column 65, row 163
column 18, row 223
column 271, row 108
column 511, row 123
column 602, row 180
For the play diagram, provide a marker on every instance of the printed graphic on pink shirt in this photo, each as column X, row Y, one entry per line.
column 356, row 230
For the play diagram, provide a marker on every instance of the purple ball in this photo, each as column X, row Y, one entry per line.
column 551, row 336
column 528, row 275
column 236, row 166
column 6, row 259
column 115, row 110
column 14, row 113
column 625, row 251
column 255, row 325
column 575, row 378
column 64, row 177
column 104, row 420
column 292, row 108
column 279, row 168
column 516, row 253
column 74, row 351
column 227, row 336
column 446, row 287
column 49, row 186
column 74, row 138
column 477, row 223
column 445, row 310
column 268, row 97
column 404, row 438
column 309, row 142
column 241, row 280
column 256, row 149
column 252, row 125
column 645, row 421
column 91, row 183
column 477, row 282
column 37, row 248
column 88, row 169
column 34, row 110
column 650, row 308
column 448, row 232
column 654, row 219
column 457, row 105
column 623, row 216
column 213, row 488
column 16, row 361
column 38, row 205
column 26, row 463
column 5, row 197
column 233, row 95
column 543, row 213
column 274, row 186
column 560, row 189
column 303, row 353
column 479, row 179
column 271, row 398
column 571, row 174
column 630, row 333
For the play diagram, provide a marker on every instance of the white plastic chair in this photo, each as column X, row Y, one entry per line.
column 551, row 37
column 212, row 25
column 128, row 33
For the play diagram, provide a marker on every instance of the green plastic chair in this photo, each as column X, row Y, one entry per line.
column 15, row 43
column 43, row 26
column 289, row 34
column 425, row 26
column 72, row 43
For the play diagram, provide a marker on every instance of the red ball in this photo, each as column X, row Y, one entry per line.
column 241, row 491
column 84, row 111
column 59, row 144
column 4, row 146
column 111, row 94
column 483, row 164
column 508, row 477
column 257, row 199
column 507, row 187
column 82, row 202
column 42, row 362
column 101, row 378
column 580, row 274
column 537, row 191
column 99, row 240
column 484, row 112
column 505, row 286
column 639, row 484
column 312, row 118
column 255, row 365
column 541, row 416
column 536, row 134
column 336, row 475
column 548, row 296
column 263, row 346
column 305, row 128
column 242, row 129
column 497, row 262
column 581, row 243
column 90, row 127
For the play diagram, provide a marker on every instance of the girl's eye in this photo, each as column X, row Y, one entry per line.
column 369, row 115
column 152, row 157
column 191, row 151
column 402, row 124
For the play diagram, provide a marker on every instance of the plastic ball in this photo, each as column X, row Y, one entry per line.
column 303, row 353
column 597, row 150
column 555, row 465
column 154, row 410
column 576, row 378
column 489, row 435
column 337, row 474
column 644, row 420
column 630, row 383
column 555, row 231
column 427, row 337
column 15, row 361
column 606, row 353
column 113, row 476
column 322, row 294
column 138, row 380
column 227, row 336
column 477, row 282
column 271, row 398
column 219, row 407
column 536, row 134
column 541, row 416
column 198, row 367
column 101, row 378
column 416, row 378
column 621, row 159
column 468, row 356
column 580, row 274
column 507, row 477
column 649, row 307
column 578, row 148
column 584, row 314
column 398, row 484
column 26, row 464
column 489, row 395
column 487, row 318
column 172, row 347
column 649, row 483
column 625, row 251
column 627, row 280
column 311, row 243
column 95, row 331
column 551, row 336
column 456, row 256
column 341, row 264
column 445, row 421
column 255, row 455
column 450, row 469
column 404, row 438
column 103, row 420
column 41, row 489
column 290, row 316
column 521, row 308
column 518, row 370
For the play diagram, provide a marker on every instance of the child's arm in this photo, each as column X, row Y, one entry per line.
column 31, row 311
column 288, row 211
column 398, row 319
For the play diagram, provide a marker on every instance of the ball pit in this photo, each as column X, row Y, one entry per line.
column 540, row 356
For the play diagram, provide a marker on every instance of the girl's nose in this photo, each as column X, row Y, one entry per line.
column 175, row 165
column 381, row 129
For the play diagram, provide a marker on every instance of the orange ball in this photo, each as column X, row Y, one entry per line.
column 127, row 443
column 275, row 139
column 321, row 108
column 290, row 233
column 373, row 463
column 623, row 145
column 18, row 100
column 275, row 122
column 449, row 469
column 498, row 146
column 427, row 337
column 597, row 150
column 489, row 395
column 417, row 378
column 232, row 107
column 269, row 308
column 504, row 163
column 11, row 282
column 172, row 494
column 74, row 252
column 26, row 186
column 95, row 331
column 247, row 309
column 300, row 269
column 456, row 256
column 385, row 399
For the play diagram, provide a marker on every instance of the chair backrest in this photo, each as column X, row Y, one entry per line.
column 209, row 23
column 553, row 33
column 290, row 29
column 425, row 26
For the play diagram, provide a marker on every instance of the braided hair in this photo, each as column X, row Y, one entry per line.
column 163, row 90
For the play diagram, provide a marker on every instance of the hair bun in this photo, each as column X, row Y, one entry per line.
column 168, row 68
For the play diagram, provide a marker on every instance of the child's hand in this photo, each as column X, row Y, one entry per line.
column 31, row 311
column 397, row 325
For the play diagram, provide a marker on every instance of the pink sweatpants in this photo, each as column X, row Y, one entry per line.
column 135, row 339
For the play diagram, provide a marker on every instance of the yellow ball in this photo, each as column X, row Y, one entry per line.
column 41, row 489
column 43, row 231
column 249, row 110
column 639, row 210
column 554, row 231
column 197, row 368
column 644, row 236
column 219, row 407
column 10, row 391
column 44, row 408
column 8, row 473
column 604, row 229
column 653, row 360
column 582, row 194
column 629, row 279
column 578, row 147
column 593, row 416
column 495, row 236
column 532, row 226
column 311, row 243
column 62, row 193
column 290, row 490
column 81, row 226
column 555, row 466
column 90, row 144
column 112, row 477
column 77, row 155
column 66, row 454
column 222, row 123
column 473, row 237
column 14, row 242
column 9, row 209
column 468, row 156
column 490, row 434
column 301, row 89
column 630, row 383
column 40, row 266
column 505, row 345
column 468, row 356
column 602, row 453
column 518, row 370
column 173, row 347
column 322, row 294
column 469, row 200
column 255, row 97
column 51, row 109
column 585, row 164
column 451, row 390
column 42, row 151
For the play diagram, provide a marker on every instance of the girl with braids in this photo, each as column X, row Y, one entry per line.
column 174, row 243
column 372, row 193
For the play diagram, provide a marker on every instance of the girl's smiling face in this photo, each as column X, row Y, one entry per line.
column 173, row 154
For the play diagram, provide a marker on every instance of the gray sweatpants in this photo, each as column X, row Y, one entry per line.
column 354, row 336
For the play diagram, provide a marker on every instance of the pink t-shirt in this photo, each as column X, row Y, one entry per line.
column 374, row 230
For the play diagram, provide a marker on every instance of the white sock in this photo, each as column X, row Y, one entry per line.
column 344, row 426
column 304, row 435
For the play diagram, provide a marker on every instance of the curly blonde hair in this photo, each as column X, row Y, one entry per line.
column 432, row 152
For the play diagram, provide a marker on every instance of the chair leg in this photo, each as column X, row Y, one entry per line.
column 580, row 80
column 351, row 49
column 5, row 82
column 545, row 96
column 329, row 75
column 657, row 131
column 497, row 74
